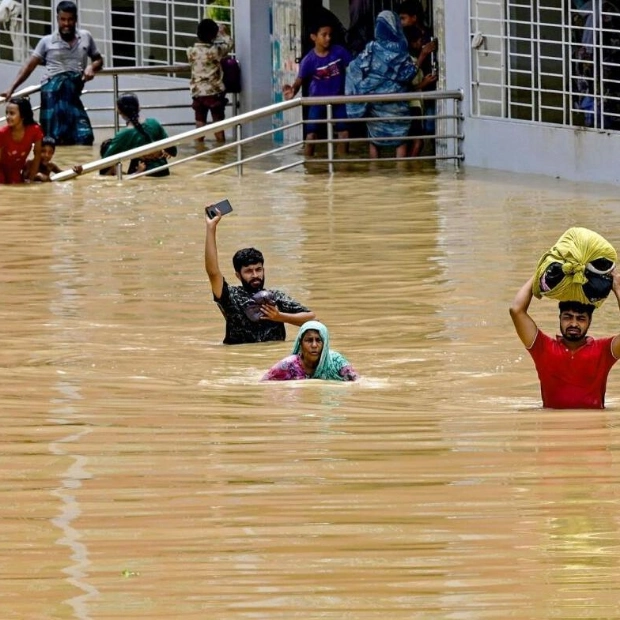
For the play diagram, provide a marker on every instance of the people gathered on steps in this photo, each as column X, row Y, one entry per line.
column 71, row 58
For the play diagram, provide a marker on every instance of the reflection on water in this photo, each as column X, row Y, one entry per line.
column 148, row 474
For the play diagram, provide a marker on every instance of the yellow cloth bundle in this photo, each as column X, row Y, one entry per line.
column 576, row 268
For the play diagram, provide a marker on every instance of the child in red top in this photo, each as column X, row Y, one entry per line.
column 17, row 139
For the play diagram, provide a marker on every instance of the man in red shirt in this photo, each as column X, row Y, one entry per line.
column 573, row 367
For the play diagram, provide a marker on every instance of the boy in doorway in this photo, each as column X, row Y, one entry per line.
column 207, row 80
column 324, row 68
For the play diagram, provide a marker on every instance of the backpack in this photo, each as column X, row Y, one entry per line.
column 231, row 73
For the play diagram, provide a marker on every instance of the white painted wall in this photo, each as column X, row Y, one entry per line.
column 570, row 153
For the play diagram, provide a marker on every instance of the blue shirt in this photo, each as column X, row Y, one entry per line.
column 325, row 73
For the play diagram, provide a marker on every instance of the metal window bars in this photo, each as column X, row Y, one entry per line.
column 548, row 61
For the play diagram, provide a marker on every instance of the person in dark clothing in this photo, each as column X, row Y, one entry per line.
column 362, row 15
column 243, row 323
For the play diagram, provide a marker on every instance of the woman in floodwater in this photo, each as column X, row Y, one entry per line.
column 312, row 358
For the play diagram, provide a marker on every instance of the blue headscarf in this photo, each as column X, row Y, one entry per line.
column 385, row 65
column 330, row 362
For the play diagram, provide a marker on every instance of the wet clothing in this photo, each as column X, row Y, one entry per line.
column 290, row 368
column 332, row 365
column 383, row 67
column 239, row 328
column 572, row 379
column 13, row 155
column 131, row 138
column 319, row 112
column 216, row 104
column 62, row 115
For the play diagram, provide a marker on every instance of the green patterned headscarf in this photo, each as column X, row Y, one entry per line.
column 330, row 362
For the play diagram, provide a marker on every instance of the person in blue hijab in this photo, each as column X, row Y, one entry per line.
column 312, row 358
column 383, row 67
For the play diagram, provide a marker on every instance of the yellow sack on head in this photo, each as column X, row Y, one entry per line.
column 576, row 268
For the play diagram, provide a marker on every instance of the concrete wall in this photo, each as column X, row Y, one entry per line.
column 563, row 152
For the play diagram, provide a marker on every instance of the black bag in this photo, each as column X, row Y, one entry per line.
column 231, row 72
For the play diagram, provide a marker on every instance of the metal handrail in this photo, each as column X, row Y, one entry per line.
column 186, row 136
column 267, row 111
column 247, row 117
column 179, row 68
column 238, row 121
column 24, row 92
column 434, row 94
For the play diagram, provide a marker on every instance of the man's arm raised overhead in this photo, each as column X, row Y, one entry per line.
column 523, row 322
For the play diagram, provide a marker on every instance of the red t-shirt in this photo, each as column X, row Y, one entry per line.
column 572, row 379
column 13, row 155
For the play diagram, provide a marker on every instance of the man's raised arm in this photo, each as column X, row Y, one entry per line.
column 212, row 266
column 523, row 322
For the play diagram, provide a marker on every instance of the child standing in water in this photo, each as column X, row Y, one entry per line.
column 46, row 166
column 17, row 138
column 324, row 69
column 207, row 81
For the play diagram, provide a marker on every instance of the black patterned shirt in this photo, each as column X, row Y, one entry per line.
column 239, row 328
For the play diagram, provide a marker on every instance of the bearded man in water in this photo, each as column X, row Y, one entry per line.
column 243, row 323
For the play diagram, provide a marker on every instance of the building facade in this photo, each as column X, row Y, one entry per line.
column 542, row 82
column 541, row 78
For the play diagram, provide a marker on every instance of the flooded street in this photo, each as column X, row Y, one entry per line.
column 146, row 473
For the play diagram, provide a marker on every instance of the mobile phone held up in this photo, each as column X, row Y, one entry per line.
column 223, row 207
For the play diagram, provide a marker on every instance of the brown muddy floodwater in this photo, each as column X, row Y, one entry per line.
column 146, row 473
